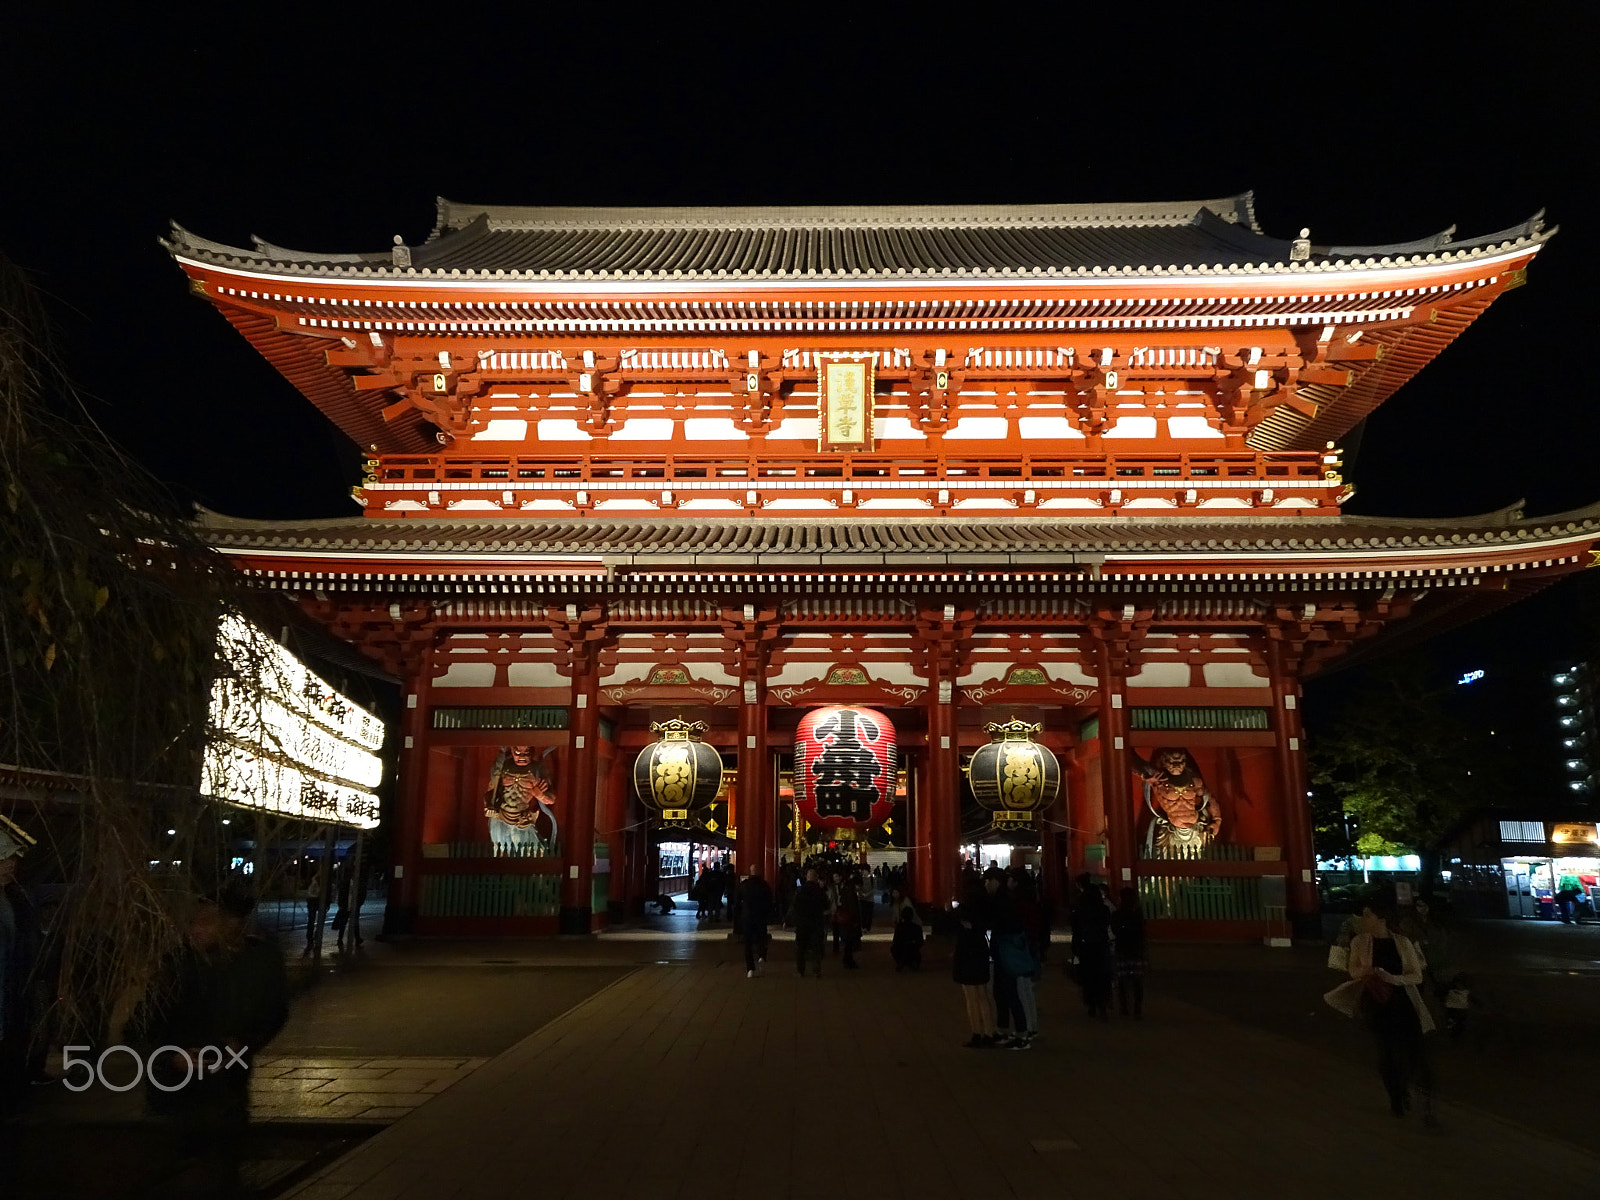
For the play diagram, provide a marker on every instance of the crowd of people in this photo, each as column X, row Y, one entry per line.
column 1001, row 935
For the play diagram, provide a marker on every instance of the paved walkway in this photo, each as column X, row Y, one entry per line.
column 684, row 1075
column 283, row 1088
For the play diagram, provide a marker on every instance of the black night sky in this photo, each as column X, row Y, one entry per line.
column 337, row 134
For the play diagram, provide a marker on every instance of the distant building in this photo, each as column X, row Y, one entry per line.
column 1512, row 863
column 1575, row 716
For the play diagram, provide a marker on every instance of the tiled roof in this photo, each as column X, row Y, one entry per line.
column 767, row 541
column 924, row 241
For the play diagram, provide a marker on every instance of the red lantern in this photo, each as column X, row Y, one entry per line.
column 846, row 767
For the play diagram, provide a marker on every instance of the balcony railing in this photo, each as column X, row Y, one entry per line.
column 1179, row 482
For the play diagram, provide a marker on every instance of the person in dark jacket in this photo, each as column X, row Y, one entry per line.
column 1004, row 924
column 969, row 967
column 230, row 998
column 847, row 918
column 906, row 947
column 21, row 943
column 1034, row 937
column 755, row 903
column 1127, row 926
column 810, row 911
column 1091, row 947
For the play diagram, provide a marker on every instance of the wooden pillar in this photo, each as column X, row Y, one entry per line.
column 577, row 844
column 1053, row 835
column 940, row 826
column 1298, row 848
column 1116, row 771
column 757, row 819
column 919, row 858
column 411, row 791
column 650, row 869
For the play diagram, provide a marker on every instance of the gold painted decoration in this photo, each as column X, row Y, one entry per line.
column 680, row 771
column 1013, row 773
column 847, row 676
column 844, row 403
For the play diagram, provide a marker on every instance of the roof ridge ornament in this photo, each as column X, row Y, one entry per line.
column 401, row 254
column 1300, row 248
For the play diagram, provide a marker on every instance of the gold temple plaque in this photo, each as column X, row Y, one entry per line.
column 844, row 404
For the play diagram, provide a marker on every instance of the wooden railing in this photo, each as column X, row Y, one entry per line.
column 1182, row 481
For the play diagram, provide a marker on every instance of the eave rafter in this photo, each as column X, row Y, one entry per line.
column 397, row 397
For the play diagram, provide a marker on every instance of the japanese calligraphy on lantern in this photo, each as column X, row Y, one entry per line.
column 846, row 767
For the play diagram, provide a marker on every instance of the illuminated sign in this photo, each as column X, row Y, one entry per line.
column 1470, row 677
column 282, row 740
column 1573, row 833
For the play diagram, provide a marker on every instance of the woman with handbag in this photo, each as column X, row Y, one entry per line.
column 1385, row 969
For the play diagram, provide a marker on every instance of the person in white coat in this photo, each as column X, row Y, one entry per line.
column 1385, row 969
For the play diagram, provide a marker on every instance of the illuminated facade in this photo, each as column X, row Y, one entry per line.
column 283, row 741
column 1072, row 465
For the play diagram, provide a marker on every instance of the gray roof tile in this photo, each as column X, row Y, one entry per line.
column 786, row 242
column 788, row 541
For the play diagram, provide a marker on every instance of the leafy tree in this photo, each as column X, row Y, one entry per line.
column 1396, row 764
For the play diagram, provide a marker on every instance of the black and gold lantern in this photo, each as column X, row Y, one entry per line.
column 1014, row 773
column 680, row 772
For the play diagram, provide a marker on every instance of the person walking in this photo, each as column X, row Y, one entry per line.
column 1127, row 927
column 864, row 890
column 847, row 920
column 906, row 947
column 1091, row 948
column 229, row 997
column 1007, row 949
column 316, row 909
column 755, row 903
column 835, row 888
column 809, row 910
column 969, row 967
column 350, row 895
column 20, row 946
column 1035, row 937
column 1385, row 969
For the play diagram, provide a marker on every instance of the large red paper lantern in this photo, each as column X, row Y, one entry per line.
column 846, row 767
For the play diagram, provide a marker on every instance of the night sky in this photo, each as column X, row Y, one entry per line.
column 338, row 134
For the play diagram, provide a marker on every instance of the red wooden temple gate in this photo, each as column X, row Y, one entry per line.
column 1070, row 463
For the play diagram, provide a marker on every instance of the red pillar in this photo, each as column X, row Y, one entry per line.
column 577, row 855
column 412, row 792
column 1122, row 857
column 1053, row 826
column 941, row 808
column 757, row 818
column 1298, row 848
column 920, row 858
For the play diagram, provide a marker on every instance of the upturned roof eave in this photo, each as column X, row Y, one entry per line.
column 1188, row 536
column 375, row 268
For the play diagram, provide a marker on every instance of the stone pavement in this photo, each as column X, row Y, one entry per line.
column 357, row 1088
column 684, row 1077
